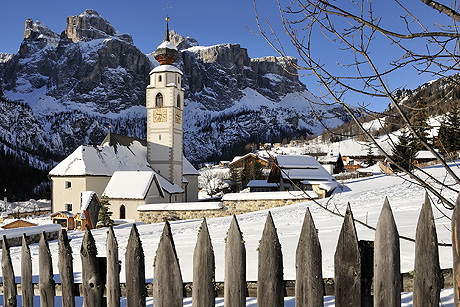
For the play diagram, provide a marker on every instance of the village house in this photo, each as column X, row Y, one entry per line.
column 299, row 172
column 164, row 174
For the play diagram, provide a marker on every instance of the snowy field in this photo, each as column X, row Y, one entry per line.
column 365, row 195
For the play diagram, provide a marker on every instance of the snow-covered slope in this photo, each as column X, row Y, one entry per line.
column 366, row 197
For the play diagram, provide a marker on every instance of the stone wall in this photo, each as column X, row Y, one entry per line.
column 230, row 207
column 31, row 239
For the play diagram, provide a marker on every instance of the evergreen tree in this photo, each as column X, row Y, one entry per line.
column 450, row 138
column 235, row 178
column 105, row 216
column 404, row 152
column 370, row 157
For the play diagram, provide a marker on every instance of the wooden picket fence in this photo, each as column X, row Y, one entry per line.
column 350, row 285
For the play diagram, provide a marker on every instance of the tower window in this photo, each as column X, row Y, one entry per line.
column 159, row 78
column 178, row 101
column 178, row 80
column 68, row 184
column 159, row 100
column 68, row 207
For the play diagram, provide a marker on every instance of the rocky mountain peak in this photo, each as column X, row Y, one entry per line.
column 90, row 25
column 37, row 30
column 182, row 42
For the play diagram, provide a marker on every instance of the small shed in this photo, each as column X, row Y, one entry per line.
column 64, row 218
column 80, row 221
column 90, row 207
column 18, row 224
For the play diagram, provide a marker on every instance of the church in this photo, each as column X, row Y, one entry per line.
column 132, row 172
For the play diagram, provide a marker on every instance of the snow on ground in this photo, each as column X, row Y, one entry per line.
column 365, row 195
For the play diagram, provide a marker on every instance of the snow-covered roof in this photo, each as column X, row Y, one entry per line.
column 65, row 213
column 168, row 186
column 17, row 232
column 236, row 158
column 181, row 206
column 168, row 68
column 168, row 45
column 271, row 195
column 424, row 154
column 261, row 183
column 188, row 169
column 103, row 160
column 303, row 168
column 129, row 184
column 86, row 198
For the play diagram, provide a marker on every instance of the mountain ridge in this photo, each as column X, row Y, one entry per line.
column 76, row 84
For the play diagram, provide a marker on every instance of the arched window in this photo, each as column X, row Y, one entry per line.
column 178, row 80
column 122, row 212
column 178, row 101
column 159, row 100
column 159, row 78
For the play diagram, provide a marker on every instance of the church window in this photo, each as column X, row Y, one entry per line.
column 159, row 78
column 122, row 212
column 159, row 137
column 68, row 207
column 68, row 184
column 178, row 80
column 159, row 100
column 178, row 101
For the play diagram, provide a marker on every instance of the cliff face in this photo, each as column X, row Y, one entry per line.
column 74, row 85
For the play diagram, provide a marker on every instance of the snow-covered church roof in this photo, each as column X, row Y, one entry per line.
column 116, row 153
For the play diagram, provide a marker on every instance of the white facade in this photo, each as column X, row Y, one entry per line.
column 165, row 105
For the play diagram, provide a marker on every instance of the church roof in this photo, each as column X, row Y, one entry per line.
column 103, row 160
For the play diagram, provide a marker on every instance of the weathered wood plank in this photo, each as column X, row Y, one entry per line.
column 9, row 285
column 456, row 251
column 168, row 289
column 203, row 291
column 235, row 267
column 65, row 266
column 347, row 265
column 387, row 267
column 46, row 281
column 92, row 287
column 135, row 271
column 309, row 287
column 27, row 287
column 427, row 272
column 270, row 288
column 113, row 270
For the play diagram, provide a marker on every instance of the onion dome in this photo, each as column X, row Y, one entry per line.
column 167, row 52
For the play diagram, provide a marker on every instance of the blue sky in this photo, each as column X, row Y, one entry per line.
column 210, row 22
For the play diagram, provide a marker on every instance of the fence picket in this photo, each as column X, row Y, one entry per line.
column 91, row 278
column 309, row 287
column 65, row 266
column 46, row 281
column 387, row 268
column 270, row 287
column 203, row 291
column 135, row 270
column 235, row 267
column 427, row 272
column 9, row 285
column 168, row 290
column 347, row 265
column 27, row 287
column 456, row 251
column 113, row 270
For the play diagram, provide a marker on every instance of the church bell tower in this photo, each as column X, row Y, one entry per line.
column 165, row 105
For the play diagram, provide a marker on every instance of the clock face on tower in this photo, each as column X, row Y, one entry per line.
column 159, row 115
